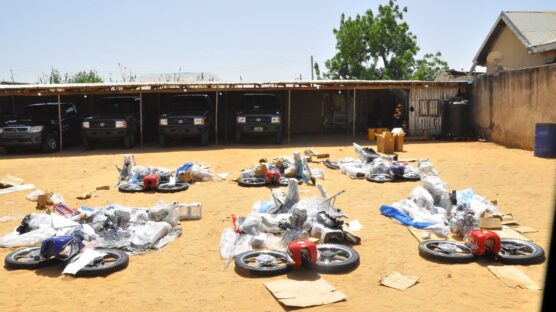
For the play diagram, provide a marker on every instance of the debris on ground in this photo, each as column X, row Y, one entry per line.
column 304, row 293
column 9, row 180
column 513, row 277
column 398, row 281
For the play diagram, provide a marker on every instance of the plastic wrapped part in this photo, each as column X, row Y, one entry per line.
column 200, row 173
column 441, row 230
column 39, row 220
column 174, row 233
column 292, row 195
column 465, row 196
column 228, row 240
column 59, row 222
column 436, row 187
column 247, row 173
column 137, row 174
column 251, row 224
column 317, row 173
column 422, row 198
column 480, row 204
column 35, row 237
column 380, row 166
column 80, row 261
column 56, row 199
column 191, row 211
column 34, row 195
column 426, row 168
column 147, row 235
column 167, row 213
column 353, row 170
column 270, row 223
column 322, row 191
column 263, row 206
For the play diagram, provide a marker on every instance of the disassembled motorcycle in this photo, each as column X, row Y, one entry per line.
column 272, row 178
column 481, row 242
column 324, row 258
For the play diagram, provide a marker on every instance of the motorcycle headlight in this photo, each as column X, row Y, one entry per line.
column 199, row 121
column 66, row 251
column 85, row 124
column 276, row 119
column 241, row 119
column 163, row 121
column 36, row 129
column 121, row 124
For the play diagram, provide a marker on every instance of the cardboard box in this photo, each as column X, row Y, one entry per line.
column 490, row 221
column 385, row 143
column 398, row 142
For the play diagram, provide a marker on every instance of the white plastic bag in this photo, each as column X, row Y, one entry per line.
column 148, row 234
column 14, row 239
column 34, row 195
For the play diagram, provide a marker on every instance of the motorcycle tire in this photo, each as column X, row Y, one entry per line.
column 380, row 178
column 12, row 260
column 516, row 251
column 130, row 188
column 121, row 260
column 411, row 177
column 169, row 188
column 247, row 262
column 251, row 182
column 335, row 258
column 438, row 250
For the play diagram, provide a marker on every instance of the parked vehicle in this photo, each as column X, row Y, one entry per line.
column 324, row 258
column 38, row 127
column 259, row 115
column 483, row 243
column 117, row 118
column 185, row 115
column 66, row 249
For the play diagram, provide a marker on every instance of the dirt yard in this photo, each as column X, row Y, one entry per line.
column 188, row 274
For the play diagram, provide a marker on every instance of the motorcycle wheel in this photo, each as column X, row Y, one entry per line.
column 113, row 261
column 515, row 251
column 334, row 258
column 172, row 188
column 130, row 188
column 251, row 182
column 380, row 178
column 262, row 262
column 411, row 176
column 446, row 251
column 27, row 259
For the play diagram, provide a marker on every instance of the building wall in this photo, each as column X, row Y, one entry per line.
column 515, row 53
column 423, row 123
column 506, row 106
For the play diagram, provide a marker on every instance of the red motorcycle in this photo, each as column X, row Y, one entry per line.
column 481, row 242
column 271, row 178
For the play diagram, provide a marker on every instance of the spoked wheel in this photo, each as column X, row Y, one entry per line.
column 446, row 251
column 515, row 251
column 251, row 182
column 172, row 188
column 262, row 262
column 411, row 176
column 334, row 258
column 112, row 261
column 131, row 188
column 380, row 178
column 28, row 258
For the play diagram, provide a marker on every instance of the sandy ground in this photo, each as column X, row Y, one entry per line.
column 189, row 275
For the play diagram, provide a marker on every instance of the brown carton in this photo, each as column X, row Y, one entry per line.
column 385, row 143
column 490, row 221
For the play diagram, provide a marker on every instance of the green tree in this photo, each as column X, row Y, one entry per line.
column 429, row 66
column 374, row 46
column 90, row 76
column 51, row 78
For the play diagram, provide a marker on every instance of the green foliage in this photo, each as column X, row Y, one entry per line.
column 375, row 46
column 429, row 66
column 54, row 77
column 127, row 75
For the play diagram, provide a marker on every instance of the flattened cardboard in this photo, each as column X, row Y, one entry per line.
column 509, row 233
column 524, row 229
column 398, row 281
column 418, row 234
column 513, row 277
column 304, row 293
column 490, row 222
column 9, row 180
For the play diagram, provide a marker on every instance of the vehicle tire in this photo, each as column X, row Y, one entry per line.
column 113, row 261
column 251, row 182
column 238, row 136
column 515, row 251
column 128, row 141
column 262, row 262
column 172, row 188
column 412, row 176
column 49, row 143
column 278, row 139
column 205, row 138
column 31, row 259
column 335, row 258
column 87, row 143
column 163, row 140
column 130, row 188
column 446, row 251
column 380, row 178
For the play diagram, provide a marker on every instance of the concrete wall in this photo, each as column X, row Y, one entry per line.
column 515, row 53
column 506, row 106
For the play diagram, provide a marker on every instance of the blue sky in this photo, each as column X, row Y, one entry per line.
column 257, row 40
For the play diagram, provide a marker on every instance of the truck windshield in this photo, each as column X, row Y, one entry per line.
column 187, row 103
column 118, row 106
column 259, row 103
column 40, row 111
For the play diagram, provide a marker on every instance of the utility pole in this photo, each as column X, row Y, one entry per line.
column 312, row 67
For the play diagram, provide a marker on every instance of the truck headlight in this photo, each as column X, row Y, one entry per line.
column 276, row 119
column 241, row 119
column 1, row 130
column 36, row 129
column 199, row 121
column 163, row 121
column 121, row 124
column 85, row 124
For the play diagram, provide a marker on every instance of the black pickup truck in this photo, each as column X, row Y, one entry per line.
column 116, row 118
column 185, row 115
column 259, row 115
column 37, row 127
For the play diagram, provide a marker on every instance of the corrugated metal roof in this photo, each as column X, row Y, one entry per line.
column 536, row 30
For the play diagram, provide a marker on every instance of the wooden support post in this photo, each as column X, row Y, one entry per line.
column 216, row 121
column 354, row 110
column 60, row 122
column 141, row 116
column 289, row 114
